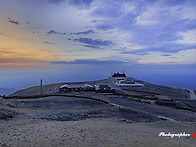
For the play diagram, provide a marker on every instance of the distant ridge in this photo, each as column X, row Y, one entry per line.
column 6, row 91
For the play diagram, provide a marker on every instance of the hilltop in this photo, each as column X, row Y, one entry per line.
column 148, row 89
column 154, row 94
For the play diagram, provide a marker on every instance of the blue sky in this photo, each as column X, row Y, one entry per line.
column 48, row 37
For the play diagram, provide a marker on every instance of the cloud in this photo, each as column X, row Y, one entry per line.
column 187, row 10
column 166, row 49
column 54, row 32
column 94, row 43
column 55, row 1
column 190, row 25
column 84, row 32
column 149, row 16
column 136, row 52
column 173, row 2
column 110, row 10
column 89, row 62
column 166, row 55
column 127, row 29
column 14, row 22
column 188, row 37
column 104, row 27
column 48, row 42
column 81, row 3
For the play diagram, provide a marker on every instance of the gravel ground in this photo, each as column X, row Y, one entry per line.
column 65, row 121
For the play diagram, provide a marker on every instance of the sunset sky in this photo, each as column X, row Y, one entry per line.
column 70, row 40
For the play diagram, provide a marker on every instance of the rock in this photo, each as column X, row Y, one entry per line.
column 6, row 114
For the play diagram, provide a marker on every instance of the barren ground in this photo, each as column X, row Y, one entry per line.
column 64, row 121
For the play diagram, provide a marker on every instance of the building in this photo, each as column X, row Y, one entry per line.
column 123, row 82
column 103, row 88
column 118, row 75
column 127, row 84
column 76, row 87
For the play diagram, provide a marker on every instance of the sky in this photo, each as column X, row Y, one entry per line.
column 77, row 40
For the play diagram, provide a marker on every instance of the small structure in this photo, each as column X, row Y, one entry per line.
column 123, row 82
column 118, row 76
column 127, row 84
column 103, row 88
column 88, row 87
column 41, row 87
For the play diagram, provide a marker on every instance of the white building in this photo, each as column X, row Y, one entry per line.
column 75, row 87
column 126, row 84
column 122, row 81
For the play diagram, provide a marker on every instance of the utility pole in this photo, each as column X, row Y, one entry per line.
column 41, row 88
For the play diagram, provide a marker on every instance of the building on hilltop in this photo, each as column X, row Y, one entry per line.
column 76, row 87
column 123, row 82
column 127, row 84
column 119, row 75
column 104, row 88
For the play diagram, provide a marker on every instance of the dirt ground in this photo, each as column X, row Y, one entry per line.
column 57, row 121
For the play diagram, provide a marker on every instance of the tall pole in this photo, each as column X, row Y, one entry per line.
column 41, row 89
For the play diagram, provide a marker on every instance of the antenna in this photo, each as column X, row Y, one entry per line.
column 41, row 88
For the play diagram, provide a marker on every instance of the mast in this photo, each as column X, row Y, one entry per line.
column 41, row 88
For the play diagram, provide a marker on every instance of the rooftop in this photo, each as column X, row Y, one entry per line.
column 118, row 74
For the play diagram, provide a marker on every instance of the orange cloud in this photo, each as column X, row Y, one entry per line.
column 13, row 64
column 19, row 47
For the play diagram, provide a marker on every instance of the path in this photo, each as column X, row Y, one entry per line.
column 192, row 95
